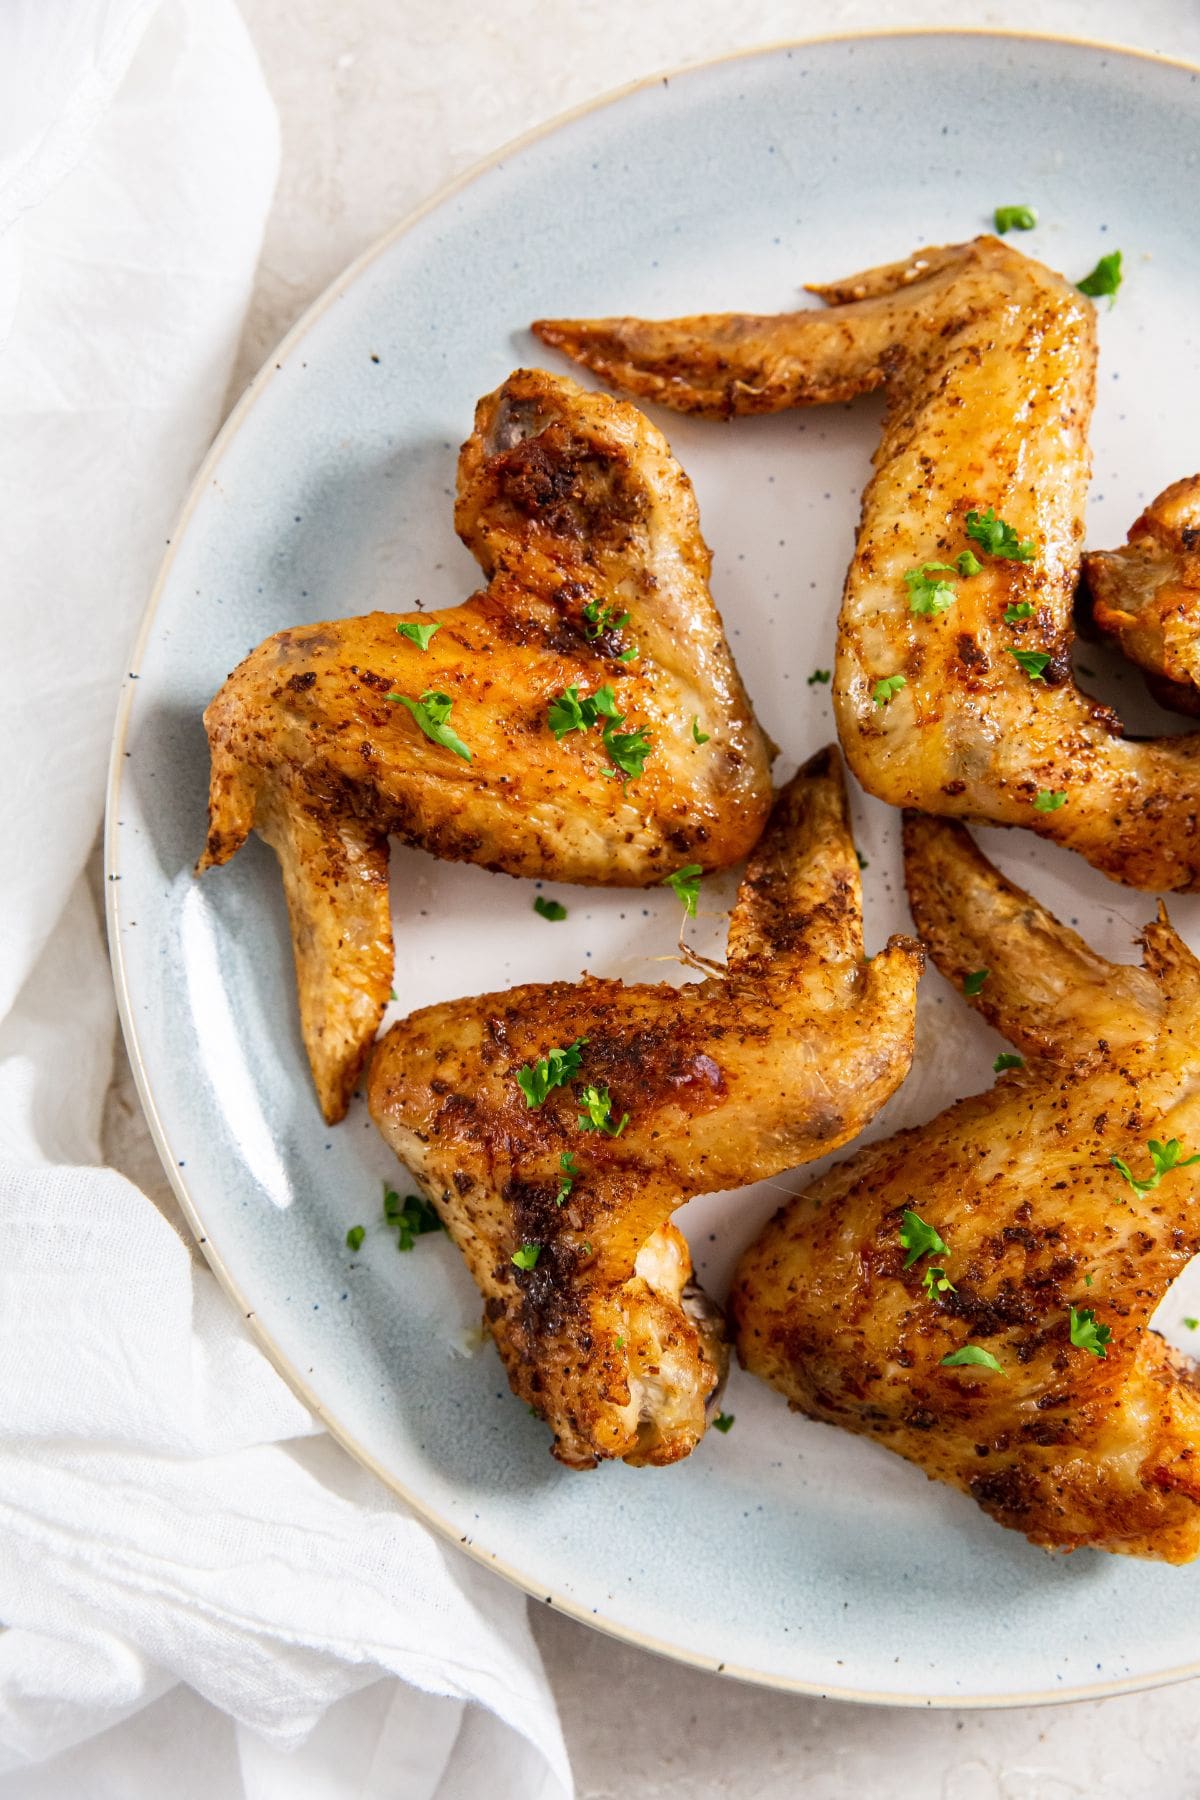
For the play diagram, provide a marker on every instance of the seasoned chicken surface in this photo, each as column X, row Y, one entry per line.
column 989, row 362
column 1044, row 1247
column 562, row 1208
column 588, row 533
column 1146, row 596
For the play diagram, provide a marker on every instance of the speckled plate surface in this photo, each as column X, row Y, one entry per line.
column 783, row 1551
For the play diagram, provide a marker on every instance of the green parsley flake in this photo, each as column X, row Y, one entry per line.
column 701, row 737
column 1163, row 1157
column 973, row 983
column 886, row 688
column 601, row 619
column 1104, row 279
column 1047, row 800
column 1020, row 609
column 685, row 885
column 862, row 861
column 972, row 1356
column 409, row 1218
column 549, row 909
column 1087, row 1335
column 597, row 1112
column 967, row 563
column 570, row 713
column 418, row 634
column 628, row 749
column 1034, row 662
column 1192, row 1324
column 355, row 1236
column 920, row 1239
column 619, row 1343
column 567, row 1164
column 926, row 595
column 724, row 1421
column 1015, row 218
column 999, row 539
column 630, row 655
column 553, row 1070
column 819, row 676
column 432, row 713
column 935, row 1281
column 526, row 1257
column 1007, row 1059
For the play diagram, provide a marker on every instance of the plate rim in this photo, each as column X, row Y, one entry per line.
column 199, row 486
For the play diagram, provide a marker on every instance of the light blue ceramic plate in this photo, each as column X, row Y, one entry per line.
column 784, row 1551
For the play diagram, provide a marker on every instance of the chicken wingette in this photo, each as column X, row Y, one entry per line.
column 1145, row 597
column 953, row 686
column 557, row 1128
column 579, row 719
column 1027, row 1233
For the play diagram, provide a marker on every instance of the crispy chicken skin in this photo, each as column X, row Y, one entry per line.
column 1146, row 596
column 781, row 1056
column 989, row 362
column 1068, row 1447
column 568, row 500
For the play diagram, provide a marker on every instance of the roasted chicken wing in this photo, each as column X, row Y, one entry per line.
column 1146, row 596
column 1037, row 1225
column 556, row 1129
column 953, row 685
column 551, row 726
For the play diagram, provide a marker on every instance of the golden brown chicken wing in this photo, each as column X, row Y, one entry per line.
column 1146, row 596
column 953, row 685
column 1005, row 1236
column 557, row 1128
column 551, row 726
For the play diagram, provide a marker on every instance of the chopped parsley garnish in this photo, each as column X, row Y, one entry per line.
column 936, row 1281
column 1015, row 218
column 1087, row 1335
column 925, row 593
column 566, row 1163
column 409, row 1218
column 701, row 737
column 1104, row 279
column 973, row 983
column 570, row 713
column 628, row 749
column 1163, row 1157
column 1007, row 1059
column 597, row 1112
column 601, row 619
column 819, row 676
column 553, row 1070
column 685, row 885
column 526, row 1257
column 886, row 688
column 549, row 909
column 418, row 634
column 1192, row 1324
column 630, row 655
column 1049, row 800
column 998, row 539
column 1034, row 662
column 355, row 1236
column 862, row 861
column 967, row 563
column 724, row 1421
column 1020, row 609
column 920, row 1239
column 972, row 1356
column 432, row 713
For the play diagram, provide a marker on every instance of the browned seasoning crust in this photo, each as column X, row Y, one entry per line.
column 1069, row 1448
column 567, row 500
column 989, row 363
column 1146, row 595
column 783, row 1056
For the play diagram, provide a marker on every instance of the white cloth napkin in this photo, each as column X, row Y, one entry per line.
column 203, row 1596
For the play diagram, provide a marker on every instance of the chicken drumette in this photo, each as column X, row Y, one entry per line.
column 953, row 684
column 1146, row 596
column 1007, row 1229
column 562, row 1207
column 581, row 718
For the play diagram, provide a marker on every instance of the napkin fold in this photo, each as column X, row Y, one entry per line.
column 202, row 1594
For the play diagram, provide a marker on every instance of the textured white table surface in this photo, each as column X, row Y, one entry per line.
column 382, row 102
